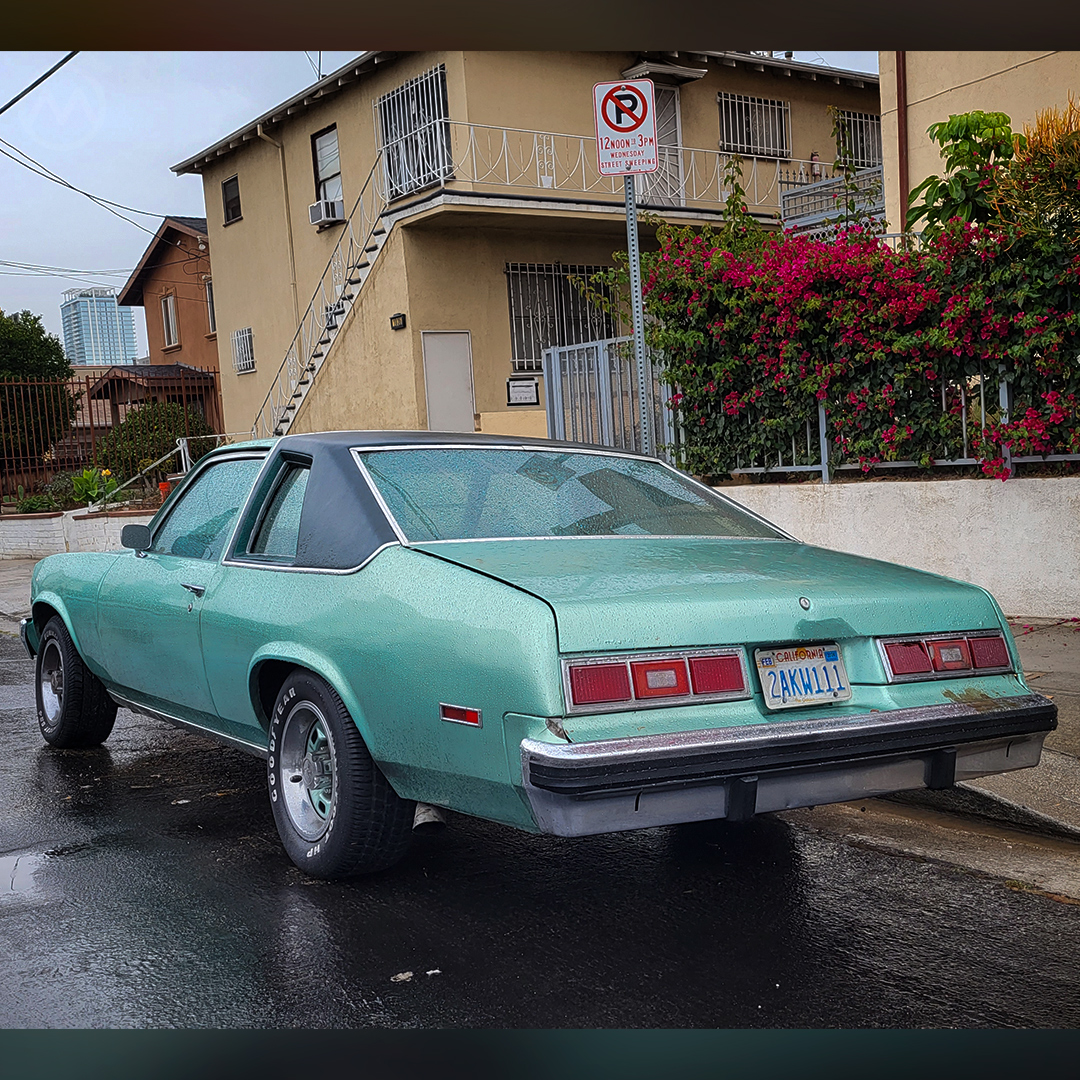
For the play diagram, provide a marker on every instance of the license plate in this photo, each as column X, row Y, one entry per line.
column 802, row 675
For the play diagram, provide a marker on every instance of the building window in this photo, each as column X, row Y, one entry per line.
column 211, row 317
column 754, row 126
column 327, row 162
column 414, row 134
column 230, row 199
column 862, row 136
column 168, row 320
column 548, row 309
column 243, row 350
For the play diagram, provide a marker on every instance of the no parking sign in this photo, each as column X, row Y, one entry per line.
column 625, row 127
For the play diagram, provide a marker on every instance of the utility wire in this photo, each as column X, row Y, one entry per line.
column 37, row 82
column 47, row 173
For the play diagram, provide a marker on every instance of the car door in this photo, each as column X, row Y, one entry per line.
column 150, row 603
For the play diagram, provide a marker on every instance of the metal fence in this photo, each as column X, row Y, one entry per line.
column 811, row 207
column 50, row 426
column 592, row 396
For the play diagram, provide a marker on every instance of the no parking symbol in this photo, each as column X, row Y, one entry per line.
column 625, row 127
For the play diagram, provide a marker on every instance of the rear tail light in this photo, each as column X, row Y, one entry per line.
column 598, row 684
column 989, row 652
column 606, row 683
column 950, row 655
column 660, row 678
column 717, row 674
column 940, row 656
column 908, row 657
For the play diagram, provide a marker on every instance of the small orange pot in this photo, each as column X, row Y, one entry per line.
column 164, row 487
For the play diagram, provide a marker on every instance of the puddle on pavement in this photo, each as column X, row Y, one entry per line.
column 18, row 876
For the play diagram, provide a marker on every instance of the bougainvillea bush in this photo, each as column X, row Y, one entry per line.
column 753, row 338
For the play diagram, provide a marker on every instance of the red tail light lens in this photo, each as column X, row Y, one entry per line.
column 660, row 678
column 938, row 656
column 716, row 674
column 599, row 684
column 950, row 655
column 908, row 657
column 989, row 652
column 696, row 677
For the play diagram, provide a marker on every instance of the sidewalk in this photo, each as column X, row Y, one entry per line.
column 1046, row 798
column 14, row 592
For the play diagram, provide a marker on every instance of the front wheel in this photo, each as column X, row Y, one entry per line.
column 73, row 707
column 335, row 812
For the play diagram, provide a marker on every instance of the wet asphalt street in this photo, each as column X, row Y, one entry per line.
column 143, row 885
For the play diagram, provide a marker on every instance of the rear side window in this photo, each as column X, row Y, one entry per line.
column 278, row 532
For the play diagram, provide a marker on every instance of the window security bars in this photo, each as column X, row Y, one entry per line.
column 327, row 164
column 243, row 350
column 862, row 135
column 547, row 309
column 414, row 134
column 756, row 127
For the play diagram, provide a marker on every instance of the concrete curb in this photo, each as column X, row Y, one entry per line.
column 969, row 801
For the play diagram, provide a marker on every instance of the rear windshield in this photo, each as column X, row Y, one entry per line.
column 480, row 493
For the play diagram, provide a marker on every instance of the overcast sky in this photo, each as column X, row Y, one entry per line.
column 112, row 124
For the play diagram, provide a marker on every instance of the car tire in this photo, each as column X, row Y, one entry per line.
column 335, row 811
column 73, row 707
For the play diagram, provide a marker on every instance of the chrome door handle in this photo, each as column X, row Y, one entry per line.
column 198, row 590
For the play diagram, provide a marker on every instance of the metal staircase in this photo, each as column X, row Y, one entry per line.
column 350, row 264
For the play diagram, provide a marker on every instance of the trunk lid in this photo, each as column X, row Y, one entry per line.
column 655, row 593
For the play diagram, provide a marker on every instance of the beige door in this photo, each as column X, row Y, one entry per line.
column 448, row 380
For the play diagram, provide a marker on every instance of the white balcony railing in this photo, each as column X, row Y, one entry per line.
column 478, row 158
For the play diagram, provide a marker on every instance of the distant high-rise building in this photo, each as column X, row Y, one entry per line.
column 96, row 329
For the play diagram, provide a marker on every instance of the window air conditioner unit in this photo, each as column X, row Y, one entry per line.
column 326, row 212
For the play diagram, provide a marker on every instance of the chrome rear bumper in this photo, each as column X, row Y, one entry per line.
column 579, row 789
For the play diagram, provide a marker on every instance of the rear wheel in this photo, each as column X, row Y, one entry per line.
column 335, row 811
column 74, row 708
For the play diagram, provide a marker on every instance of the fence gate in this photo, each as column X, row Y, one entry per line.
column 592, row 397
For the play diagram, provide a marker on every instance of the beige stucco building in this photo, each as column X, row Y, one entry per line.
column 923, row 88
column 392, row 246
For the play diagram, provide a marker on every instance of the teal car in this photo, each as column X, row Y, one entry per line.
column 564, row 639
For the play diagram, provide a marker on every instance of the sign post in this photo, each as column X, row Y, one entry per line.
column 625, row 146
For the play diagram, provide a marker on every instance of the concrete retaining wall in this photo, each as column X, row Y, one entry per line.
column 1019, row 539
column 33, row 536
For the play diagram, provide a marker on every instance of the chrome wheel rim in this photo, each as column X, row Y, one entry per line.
column 308, row 785
column 51, row 681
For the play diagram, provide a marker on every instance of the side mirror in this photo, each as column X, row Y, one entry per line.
column 135, row 536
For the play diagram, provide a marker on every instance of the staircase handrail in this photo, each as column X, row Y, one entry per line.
column 325, row 300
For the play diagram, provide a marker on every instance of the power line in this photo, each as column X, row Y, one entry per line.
column 103, row 203
column 37, row 82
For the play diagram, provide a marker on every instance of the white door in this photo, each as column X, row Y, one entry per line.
column 665, row 186
column 448, row 380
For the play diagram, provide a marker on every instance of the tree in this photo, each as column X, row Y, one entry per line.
column 148, row 433
column 37, row 405
column 1039, row 193
column 976, row 147
column 28, row 351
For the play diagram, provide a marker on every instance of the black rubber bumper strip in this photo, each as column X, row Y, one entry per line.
column 781, row 746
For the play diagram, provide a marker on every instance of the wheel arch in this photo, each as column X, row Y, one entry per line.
column 45, row 606
column 273, row 664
